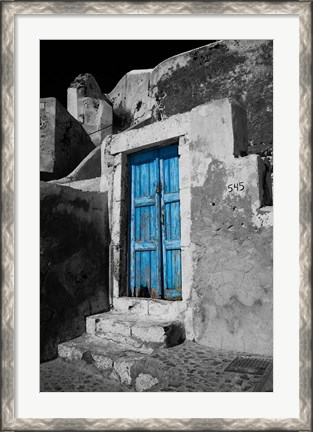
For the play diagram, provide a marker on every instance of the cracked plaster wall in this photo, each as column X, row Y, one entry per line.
column 232, row 256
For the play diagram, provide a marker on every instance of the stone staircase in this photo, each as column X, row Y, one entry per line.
column 117, row 343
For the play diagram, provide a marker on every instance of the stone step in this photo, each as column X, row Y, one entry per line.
column 142, row 334
column 119, row 344
column 116, row 361
column 113, row 360
column 169, row 310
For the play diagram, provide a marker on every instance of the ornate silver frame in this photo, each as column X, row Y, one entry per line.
column 8, row 10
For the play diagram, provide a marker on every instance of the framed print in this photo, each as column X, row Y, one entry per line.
column 156, row 223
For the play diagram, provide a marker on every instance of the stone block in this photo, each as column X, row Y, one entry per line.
column 109, row 326
column 122, row 368
column 145, row 382
column 166, row 310
column 128, row 305
column 91, row 324
column 148, row 333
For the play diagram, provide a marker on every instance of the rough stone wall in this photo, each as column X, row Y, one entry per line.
column 47, row 136
column 240, row 70
column 86, row 86
column 63, row 142
column 74, row 262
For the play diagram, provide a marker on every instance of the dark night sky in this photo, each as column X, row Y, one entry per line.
column 61, row 61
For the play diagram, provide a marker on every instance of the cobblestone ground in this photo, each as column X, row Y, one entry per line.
column 60, row 376
column 195, row 368
column 189, row 367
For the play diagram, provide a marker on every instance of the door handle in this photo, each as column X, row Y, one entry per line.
column 162, row 216
column 158, row 188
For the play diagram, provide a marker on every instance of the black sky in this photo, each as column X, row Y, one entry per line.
column 107, row 60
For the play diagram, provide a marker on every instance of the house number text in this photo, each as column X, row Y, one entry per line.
column 236, row 187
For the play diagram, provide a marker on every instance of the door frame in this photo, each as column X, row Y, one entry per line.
column 125, row 144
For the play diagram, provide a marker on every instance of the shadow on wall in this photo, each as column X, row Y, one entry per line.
column 74, row 248
column 64, row 143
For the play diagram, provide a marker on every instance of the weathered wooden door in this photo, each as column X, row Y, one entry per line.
column 154, row 240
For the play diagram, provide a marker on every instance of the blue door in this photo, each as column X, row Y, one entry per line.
column 154, row 239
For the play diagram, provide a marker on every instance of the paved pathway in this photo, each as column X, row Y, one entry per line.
column 189, row 367
column 60, row 376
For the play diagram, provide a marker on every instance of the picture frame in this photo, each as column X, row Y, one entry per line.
column 9, row 10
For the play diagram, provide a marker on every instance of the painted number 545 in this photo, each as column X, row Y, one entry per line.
column 236, row 186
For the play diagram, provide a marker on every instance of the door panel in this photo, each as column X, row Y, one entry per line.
column 170, row 223
column 155, row 267
column 145, row 249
